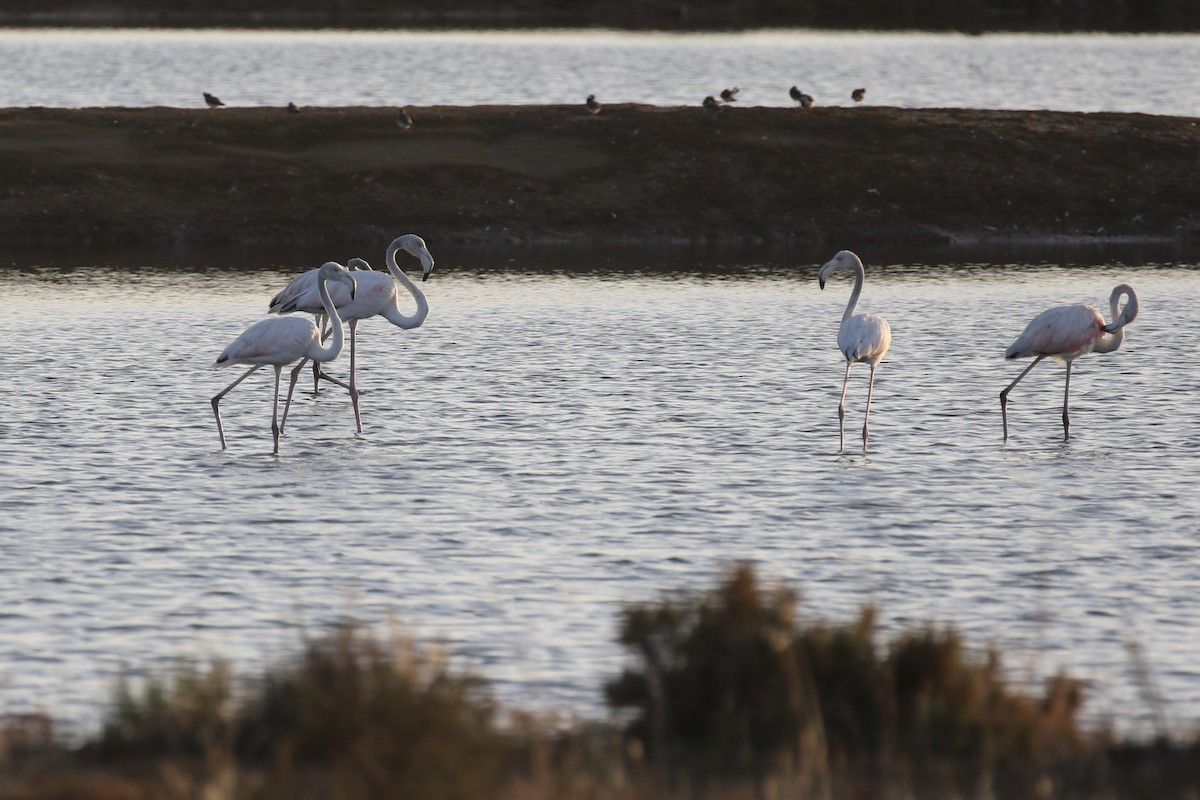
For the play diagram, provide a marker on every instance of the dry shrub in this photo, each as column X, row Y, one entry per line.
column 351, row 717
column 730, row 682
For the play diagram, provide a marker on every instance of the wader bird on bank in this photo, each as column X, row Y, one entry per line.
column 858, row 95
column 730, row 95
column 277, row 342
column 593, row 105
column 377, row 296
column 212, row 100
column 805, row 101
column 1066, row 333
column 861, row 337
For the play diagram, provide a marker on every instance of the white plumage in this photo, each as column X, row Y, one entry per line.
column 861, row 337
column 277, row 342
column 376, row 295
column 1066, row 333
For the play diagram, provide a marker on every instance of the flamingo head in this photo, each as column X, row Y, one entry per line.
column 333, row 271
column 1127, row 314
column 845, row 259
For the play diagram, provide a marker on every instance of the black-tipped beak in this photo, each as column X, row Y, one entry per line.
column 821, row 282
column 353, row 288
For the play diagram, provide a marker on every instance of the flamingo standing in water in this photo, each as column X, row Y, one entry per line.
column 377, row 296
column 1066, row 333
column 278, row 342
column 861, row 337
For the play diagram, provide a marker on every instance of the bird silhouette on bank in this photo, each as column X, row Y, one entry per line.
column 805, row 101
column 730, row 95
column 858, row 95
column 292, row 108
column 403, row 120
column 593, row 105
column 212, row 100
column 712, row 104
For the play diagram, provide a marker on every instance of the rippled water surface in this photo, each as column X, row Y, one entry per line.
column 1151, row 74
column 553, row 444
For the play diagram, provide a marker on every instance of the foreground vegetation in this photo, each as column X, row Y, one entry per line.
column 728, row 695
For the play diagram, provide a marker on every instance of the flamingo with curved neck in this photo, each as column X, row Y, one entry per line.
column 861, row 337
column 1067, row 333
column 278, row 342
column 377, row 296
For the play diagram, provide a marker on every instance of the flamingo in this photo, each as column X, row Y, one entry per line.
column 377, row 295
column 1066, row 333
column 278, row 342
column 861, row 337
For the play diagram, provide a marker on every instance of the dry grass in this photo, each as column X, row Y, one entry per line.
column 728, row 696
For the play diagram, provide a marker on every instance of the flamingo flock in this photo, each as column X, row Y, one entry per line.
column 334, row 292
column 331, row 292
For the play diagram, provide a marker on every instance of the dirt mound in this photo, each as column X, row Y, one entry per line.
column 632, row 172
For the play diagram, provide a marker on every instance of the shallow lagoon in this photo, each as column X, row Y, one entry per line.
column 571, row 431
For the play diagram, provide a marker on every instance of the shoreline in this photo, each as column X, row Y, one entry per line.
column 633, row 174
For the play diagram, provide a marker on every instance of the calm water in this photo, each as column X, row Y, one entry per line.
column 1152, row 74
column 550, row 445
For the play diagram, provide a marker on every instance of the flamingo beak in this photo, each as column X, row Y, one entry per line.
column 821, row 282
column 353, row 288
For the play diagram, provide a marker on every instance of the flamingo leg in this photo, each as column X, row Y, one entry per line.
column 275, row 411
column 1007, row 389
column 867, row 416
column 217, row 400
column 842, row 409
column 352, row 387
column 1066, row 414
column 292, row 388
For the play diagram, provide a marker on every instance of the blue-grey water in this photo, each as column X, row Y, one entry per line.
column 1155, row 74
column 555, row 442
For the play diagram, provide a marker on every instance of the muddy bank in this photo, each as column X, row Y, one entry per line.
column 160, row 176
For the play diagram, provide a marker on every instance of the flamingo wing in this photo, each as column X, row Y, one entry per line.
column 864, row 337
column 1064, row 331
column 302, row 294
column 273, row 340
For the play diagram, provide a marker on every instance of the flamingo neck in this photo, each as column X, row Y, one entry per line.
column 393, row 314
column 1110, row 342
column 859, row 276
column 329, row 353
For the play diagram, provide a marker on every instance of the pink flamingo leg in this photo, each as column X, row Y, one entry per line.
column 842, row 410
column 217, row 400
column 867, row 416
column 1007, row 389
column 353, row 387
column 1066, row 414
column 275, row 411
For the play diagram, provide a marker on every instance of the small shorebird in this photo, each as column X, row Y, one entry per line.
column 593, row 105
column 858, row 94
column 292, row 108
column 730, row 95
column 212, row 100
column 404, row 120
column 712, row 104
column 805, row 100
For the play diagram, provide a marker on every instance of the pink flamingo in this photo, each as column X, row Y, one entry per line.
column 861, row 337
column 1066, row 333
column 377, row 296
column 277, row 342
